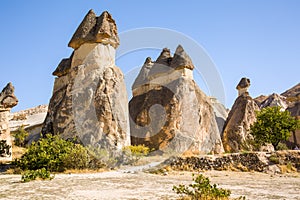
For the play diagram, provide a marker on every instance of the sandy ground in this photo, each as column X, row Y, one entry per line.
column 134, row 184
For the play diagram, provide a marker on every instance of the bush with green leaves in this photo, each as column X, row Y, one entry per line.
column 57, row 155
column 30, row 175
column 134, row 153
column 4, row 149
column 49, row 153
column 202, row 189
column 20, row 136
column 273, row 126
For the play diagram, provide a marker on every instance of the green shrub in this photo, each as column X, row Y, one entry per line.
column 49, row 153
column 20, row 136
column 135, row 153
column 100, row 157
column 4, row 149
column 273, row 126
column 282, row 146
column 77, row 158
column 31, row 175
column 57, row 155
column 202, row 189
column 274, row 159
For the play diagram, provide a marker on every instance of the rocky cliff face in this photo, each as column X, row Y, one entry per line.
column 293, row 99
column 168, row 111
column 7, row 101
column 89, row 98
column 241, row 116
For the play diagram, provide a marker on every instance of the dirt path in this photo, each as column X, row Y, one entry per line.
column 139, row 185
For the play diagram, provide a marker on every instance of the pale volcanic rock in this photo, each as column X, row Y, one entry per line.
column 7, row 101
column 168, row 111
column 240, row 118
column 89, row 98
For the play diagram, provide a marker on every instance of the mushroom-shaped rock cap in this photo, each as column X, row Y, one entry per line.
column 181, row 59
column 148, row 60
column 244, row 83
column 165, row 57
column 95, row 29
column 63, row 67
column 7, row 97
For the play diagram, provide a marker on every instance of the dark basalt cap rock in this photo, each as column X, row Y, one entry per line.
column 7, row 97
column 95, row 29
column 181, row 59
column 244, row 83
column 148, row 60
column 142, row 77
column 63, row 67
column 165, row 57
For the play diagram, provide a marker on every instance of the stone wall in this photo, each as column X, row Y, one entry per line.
column 254, row 161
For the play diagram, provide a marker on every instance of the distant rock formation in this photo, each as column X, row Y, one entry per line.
column 275, row 100
column 7, row 101
column 168, row 111
column 242, row 115
column 260, row 99
column 31, row 120
column 89, row 98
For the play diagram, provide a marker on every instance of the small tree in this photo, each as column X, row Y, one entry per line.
column 20, row 136
column 273, row 126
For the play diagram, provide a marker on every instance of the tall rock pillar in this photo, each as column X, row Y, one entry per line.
column 89, row 98
column 168, row 110
column 236, row 129
column 7, row 101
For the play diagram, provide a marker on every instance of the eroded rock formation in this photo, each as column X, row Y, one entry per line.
column 241, row 116
column 89, row 98
column 7, row 101
column 168, row 111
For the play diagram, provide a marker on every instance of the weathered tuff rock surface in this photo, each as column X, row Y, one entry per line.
column 7, row 101
column 89, row 98
column 168, row 111
column 241, row 116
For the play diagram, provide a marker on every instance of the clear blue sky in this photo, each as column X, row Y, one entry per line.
column 257, row 39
